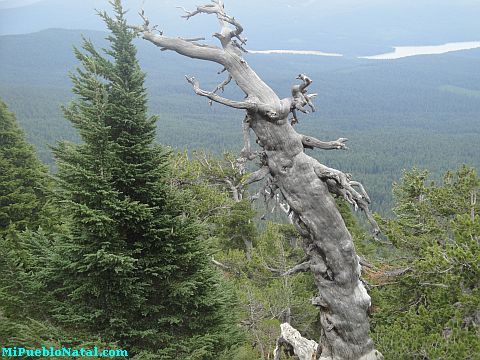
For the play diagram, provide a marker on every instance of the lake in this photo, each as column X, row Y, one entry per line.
column 405, row 51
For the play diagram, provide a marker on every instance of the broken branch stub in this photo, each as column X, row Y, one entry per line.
column 290, row 337
column 303, row 182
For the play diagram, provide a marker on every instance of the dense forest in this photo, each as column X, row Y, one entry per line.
column 109, row 239
column 415, row 112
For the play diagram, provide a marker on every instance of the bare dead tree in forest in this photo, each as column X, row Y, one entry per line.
column 305, row 184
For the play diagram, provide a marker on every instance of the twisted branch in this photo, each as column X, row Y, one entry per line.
column 300, row 99
column 222, row 85
column 214, row 8
column 303, row 267
column 361, row 190
column 340, row 184
column 245, row 105
column 238, row 28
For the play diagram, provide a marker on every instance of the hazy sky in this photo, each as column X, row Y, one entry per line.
column 360, row 27
column 15, row 3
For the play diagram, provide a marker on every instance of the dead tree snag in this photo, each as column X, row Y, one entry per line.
column 304, row 183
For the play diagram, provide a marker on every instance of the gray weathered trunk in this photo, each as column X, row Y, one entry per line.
column 304, row 183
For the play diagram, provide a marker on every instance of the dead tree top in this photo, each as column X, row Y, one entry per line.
column 304, row 184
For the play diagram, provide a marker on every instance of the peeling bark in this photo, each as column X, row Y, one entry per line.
column 305, row 184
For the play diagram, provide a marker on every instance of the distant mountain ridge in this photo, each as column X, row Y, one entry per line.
column 350, row 27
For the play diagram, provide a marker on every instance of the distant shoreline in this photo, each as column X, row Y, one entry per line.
column 407, row 51
column 398, row 53
column 294, row 52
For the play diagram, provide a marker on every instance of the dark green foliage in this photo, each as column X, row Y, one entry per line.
column 25, row 300
column 23, row 197
column 238, row 225
column 432, row 310
column 134, row 267
column 21, row 256
column 22, row 178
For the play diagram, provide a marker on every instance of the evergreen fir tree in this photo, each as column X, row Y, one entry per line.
column 22, row 177
column 22, row 196
column 135, row 267
column 24, row 214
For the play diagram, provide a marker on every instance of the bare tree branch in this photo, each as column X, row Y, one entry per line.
column 213, row 8
column 303, row 267
column 398, row 272
column 306, row 82
column 341, row 185
column 342, row 179
column 238, row 29
column 224, row 83
column 217, row 8
column 300, row 98
column 294, row 119
column 436, row 285
column 220, row 265
column 236, row 193
column 361, row 189
column 310, row 142
column 193, row 39
column 365, row 263
column 256, row 176
column 186, row 47
column 246, row 105
column 375, row 228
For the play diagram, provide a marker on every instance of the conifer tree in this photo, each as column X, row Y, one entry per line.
column 23, row 187
column 427, row 306
column 26, row 217
column 135, row 268
column 22, row 177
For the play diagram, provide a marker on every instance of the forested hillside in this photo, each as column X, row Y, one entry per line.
column 127, row 246
column 421, row 111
